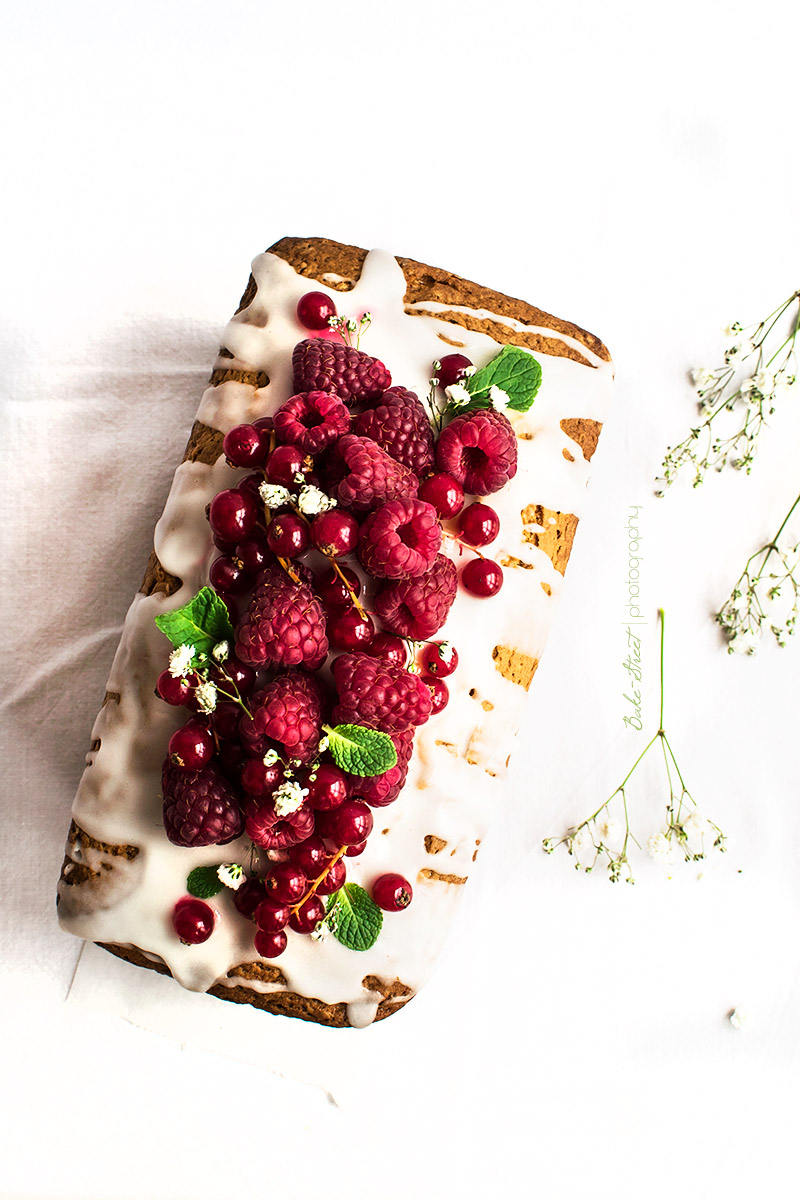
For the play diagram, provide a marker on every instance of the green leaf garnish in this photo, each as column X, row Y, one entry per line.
column 353, row 917
column 201, row 623
column 203, row 882
column 361, row 751
column 514, row 371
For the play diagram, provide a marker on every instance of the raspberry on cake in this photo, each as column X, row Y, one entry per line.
column 200, row 807
column 364, row 475
column 284, row 624
column 312, row 421
column 319, row 364
column 417, row 608
column 479, row 450
column 400, row 540
column 400, row 426
column 287, row 711
column 376, row 693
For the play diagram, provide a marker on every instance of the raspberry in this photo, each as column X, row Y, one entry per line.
column 400, row 540
column 267, row 829
column 378, row 694
column 400, row 426
column 284, row 624
column 416, row 608
column 362, row 476
column 288, row 710
column 319, row 364
column 312, row 421
column 200, row 807
column 380, row 790
column 479, row 450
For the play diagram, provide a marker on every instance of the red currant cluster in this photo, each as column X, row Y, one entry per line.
column 347, row 468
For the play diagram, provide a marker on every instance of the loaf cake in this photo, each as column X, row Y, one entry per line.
column 309, row 717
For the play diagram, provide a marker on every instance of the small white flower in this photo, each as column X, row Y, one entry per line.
column 324, row 742
column 457, row 394
column 288, row 798
column 703, row 379
column 180, row 661
column 270, row 758
column 206, row 696
column 581, row 841
column 312, row 500
column 446, row 652
column 499, row 398
column 734, row 354
column 366, row 318
column 607, row 829
column 731, row 330
column 231, row 874
column 745, row 642
column 737, row 1018
column 660, row 848
column 320, row 932
column 221, row 651
column 274, row 495
column 747, row 385
column 764, row 382
column 694, row 825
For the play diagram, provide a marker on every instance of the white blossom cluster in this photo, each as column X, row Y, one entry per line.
column 766, row 596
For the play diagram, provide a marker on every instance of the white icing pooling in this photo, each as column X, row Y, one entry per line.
column 446, row 795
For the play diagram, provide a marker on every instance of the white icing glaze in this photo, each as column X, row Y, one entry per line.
column 455, row 777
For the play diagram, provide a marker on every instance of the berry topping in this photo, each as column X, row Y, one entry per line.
column 319, row 364
column 310, row 855
column 233, row 514
column 379, row 694
column 392, row 892
column 348, row 629
column 390, row 648
column 417, row 608
column 479, row 449
column 350, row 823
column 451, row 369
column 439, row 658
column 333, row 591
column 440, row 693
column 328, row 789
column 269, row 945
column 258, row 779
column 315, row 309
column 400, row 426
column 253, row 553
column 379, row 790
column 200, row 808
column 288, row 711
column 269, row 829
column 227, row 576
column 309, row 914
column 334, row 533
column 245, row 446
column 284, row 624
column 482, row 577
column 287, row 535
column 247, row 898
column 312, row 421
column 444, row 493
column 363, row 476
column 272, row 914
column 478, row 524
column 333, row 879
column 193, row 921
column 283, row 464
column 286, row 883
column 175, row 690
column 191, row 746
column 399, row 540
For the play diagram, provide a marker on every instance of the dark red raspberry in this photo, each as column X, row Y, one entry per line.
column 399, row 424
column 312, row 421
column 380, row 790
column 361, row 475
column 288, row 710
column 417, row 608
column 479, row 450
column 267, row 829
column 400, row 540
column 284, row 624
column 200, row 807
column 378, row 694
column 319, row 364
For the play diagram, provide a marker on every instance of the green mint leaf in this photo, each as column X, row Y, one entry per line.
column 361, row 751
column 353, row 917
column 201, row 623
column 203, row 882
column 513, row 370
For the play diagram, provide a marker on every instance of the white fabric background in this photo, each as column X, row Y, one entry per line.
column 631, row 168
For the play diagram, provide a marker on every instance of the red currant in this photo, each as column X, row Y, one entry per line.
column 310, row 855
column 244, row 446
column 251, row 484
column 392, row 892
column 248, row 896
column 315, row 309
column 445, row 494
column 308, row 915
column 478, row 524
column 328, row 789
column 233, row 669
column 191, row 746
column 233, row 514
column 287, row 536
column 439, row 658
column 389, row 647
column 348, row 630
column 272, row 915
column 253, row 553
column 482, row 577
column 440, row 693
column 225, row 720
column 175, row 691
column 259, row 780
column 451, row 369
column 283, row 464
column 193, row 921
column 334, row 533
column 286, row 881
column 334, row 879
column 331, row 589
column 228, row 576
column 270, row 945
column 351, row 823
column 356, row 849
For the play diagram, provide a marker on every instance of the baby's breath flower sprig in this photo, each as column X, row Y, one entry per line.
column 435, row 411
column 766, row 593
column 604, row 837
column 748, row 384
column 346, row 327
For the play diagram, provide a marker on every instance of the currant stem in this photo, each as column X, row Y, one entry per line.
column 311, row 891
